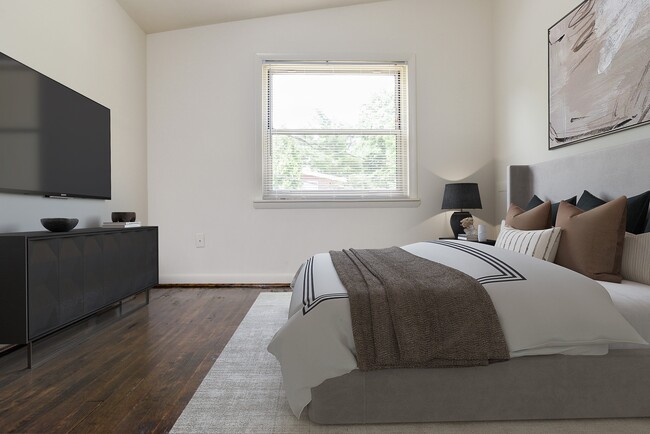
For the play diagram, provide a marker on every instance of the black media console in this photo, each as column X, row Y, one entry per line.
column 49, row 280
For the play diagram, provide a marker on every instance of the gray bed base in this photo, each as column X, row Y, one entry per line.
column 539, row 387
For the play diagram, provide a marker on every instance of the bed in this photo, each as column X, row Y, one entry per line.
column 320, row 369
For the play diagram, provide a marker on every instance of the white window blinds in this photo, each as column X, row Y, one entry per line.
column 335, row 130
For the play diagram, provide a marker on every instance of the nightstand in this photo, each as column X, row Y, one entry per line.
column 488, row 242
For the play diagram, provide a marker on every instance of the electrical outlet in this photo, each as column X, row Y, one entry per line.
column 199, row 239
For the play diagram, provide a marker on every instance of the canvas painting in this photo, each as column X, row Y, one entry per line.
column 599, row 78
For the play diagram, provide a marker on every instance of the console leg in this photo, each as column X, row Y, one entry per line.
column 147, row 296
column 29, row 355
column 120, row 307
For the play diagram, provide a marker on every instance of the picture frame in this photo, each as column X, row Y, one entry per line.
column 598, row 70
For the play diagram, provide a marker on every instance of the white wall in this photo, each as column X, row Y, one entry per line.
column 94, row 48
column 201, row 135
column 521, row 98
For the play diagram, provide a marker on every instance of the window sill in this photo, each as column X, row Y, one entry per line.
column 352, row 203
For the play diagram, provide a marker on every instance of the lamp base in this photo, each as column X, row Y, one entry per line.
column 454, row 221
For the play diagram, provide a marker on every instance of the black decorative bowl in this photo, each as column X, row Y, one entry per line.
column 123, row 216
column 59, row 224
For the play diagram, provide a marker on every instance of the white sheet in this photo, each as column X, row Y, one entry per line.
column 632, row 299
column 543, row 309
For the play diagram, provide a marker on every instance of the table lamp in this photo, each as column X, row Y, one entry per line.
column 462, row 195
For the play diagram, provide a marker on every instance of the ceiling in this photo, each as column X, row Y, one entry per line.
column 162, row 15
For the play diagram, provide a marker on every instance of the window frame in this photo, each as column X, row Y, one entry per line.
column 306, row 201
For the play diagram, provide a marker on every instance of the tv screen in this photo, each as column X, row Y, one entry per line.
column 53, row 140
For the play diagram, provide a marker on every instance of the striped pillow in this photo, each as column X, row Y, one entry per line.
column 636, row 258
column 541, row 244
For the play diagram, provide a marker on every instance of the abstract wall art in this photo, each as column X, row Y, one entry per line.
column 598, row 70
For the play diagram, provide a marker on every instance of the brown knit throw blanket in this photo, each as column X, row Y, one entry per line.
column 409, row 312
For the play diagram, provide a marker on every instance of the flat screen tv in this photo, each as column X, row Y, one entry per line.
column 53, row 140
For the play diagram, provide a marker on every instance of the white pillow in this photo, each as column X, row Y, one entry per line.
column 540, row 244
column 636, row 258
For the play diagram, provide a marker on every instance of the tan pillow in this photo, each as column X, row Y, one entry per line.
column 592, row 241
column 531, row 220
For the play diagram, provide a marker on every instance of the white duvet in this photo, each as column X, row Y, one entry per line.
column 543, row 309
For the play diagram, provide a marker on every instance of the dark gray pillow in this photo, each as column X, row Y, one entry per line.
column 637, row 209
column 588, row 201
column 536, row 201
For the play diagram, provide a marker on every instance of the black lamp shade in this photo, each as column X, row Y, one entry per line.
column 463, row 195
column 459, row 196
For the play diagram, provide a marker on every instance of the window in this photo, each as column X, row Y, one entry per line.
column 335, row 131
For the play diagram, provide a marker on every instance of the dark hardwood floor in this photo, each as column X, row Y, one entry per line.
column 129, row 374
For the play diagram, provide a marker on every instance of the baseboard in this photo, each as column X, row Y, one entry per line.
column 272, row 286
column 225, row 279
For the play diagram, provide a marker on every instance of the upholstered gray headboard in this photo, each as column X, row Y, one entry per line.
column 608, row 173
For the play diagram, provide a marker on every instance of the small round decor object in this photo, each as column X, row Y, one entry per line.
column 125, row 216
column 59, row 224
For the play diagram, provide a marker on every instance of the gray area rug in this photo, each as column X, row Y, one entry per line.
column 242, row 393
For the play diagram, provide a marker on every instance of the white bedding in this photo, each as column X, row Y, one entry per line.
column 632, row 300
column 543, row 309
